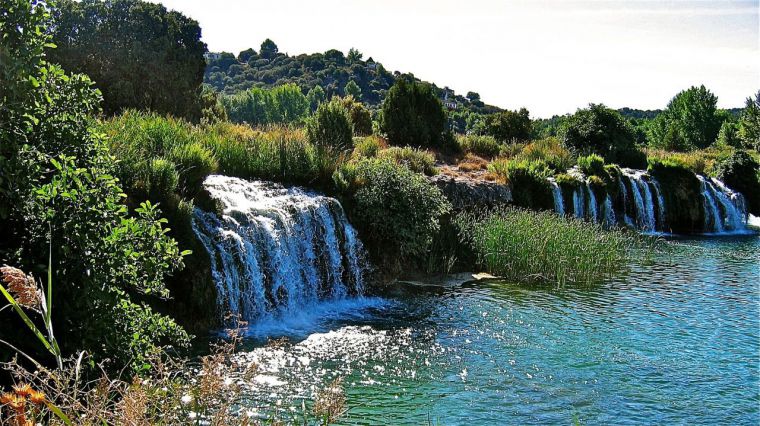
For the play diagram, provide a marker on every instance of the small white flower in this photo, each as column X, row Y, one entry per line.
column 186, row 399
column 192, row 415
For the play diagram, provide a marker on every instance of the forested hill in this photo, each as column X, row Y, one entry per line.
column 332, row 70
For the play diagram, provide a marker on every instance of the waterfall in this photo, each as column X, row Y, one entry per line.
column 592, row 208
column 725, row 209
column 623, row 192
column 578, row 203
column 559, row 205
column 642, row 196
column 660, row 204
column 276, row 251
column 609, row 211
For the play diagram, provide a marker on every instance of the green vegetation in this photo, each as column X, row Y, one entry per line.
column 509, row 126
column 592, row 165
column 540, row 247
column 599, row 130
column 749, row 124
column 681, row 192
column 330, row 128
column 139, row 54
column 396, row 211
column 58, row 191
column 278, row 105
column 358, row 114
column 527, row 178
column 416, row 160
column 691, row 121
column 413, row 116
column 482, row 146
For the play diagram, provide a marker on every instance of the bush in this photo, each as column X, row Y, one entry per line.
column 412, row 115
column 482, row 146
column 416, row 160
column 507, row 125
column 528, row 179
column 632, row 157
column 592, row 165
column 598, row 130
column 396, row 211
column 740, row 172
column 330, row 128
column 368, row 146
column 358, row 115
column 279, row 105
column 549, row 150
column 540, row 247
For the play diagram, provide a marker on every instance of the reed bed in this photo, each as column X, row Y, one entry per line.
column 541, row 247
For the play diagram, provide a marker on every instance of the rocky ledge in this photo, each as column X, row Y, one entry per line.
column 465, row 192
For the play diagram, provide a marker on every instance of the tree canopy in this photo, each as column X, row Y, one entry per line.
column 598, row 130
column 413, row 115
column 690, row 121
column 139, row 54
column 508, row 125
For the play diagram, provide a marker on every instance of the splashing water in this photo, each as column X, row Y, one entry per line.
column 278, row 254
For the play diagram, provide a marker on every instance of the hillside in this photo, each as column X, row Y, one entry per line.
column 332, row 70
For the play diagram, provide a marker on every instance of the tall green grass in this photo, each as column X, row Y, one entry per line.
column 540, row 247
column 416, row 160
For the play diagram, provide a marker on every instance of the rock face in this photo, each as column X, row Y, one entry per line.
column 465, row 193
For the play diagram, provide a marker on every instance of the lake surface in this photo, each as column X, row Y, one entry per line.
column 675, row 341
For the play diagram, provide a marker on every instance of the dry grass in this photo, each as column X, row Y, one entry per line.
column 472, row 163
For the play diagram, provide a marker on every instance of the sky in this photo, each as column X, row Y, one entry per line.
column 549, row 56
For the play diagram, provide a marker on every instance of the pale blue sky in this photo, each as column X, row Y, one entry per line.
column 549, row 56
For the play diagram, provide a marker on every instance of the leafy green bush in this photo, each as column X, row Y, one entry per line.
column 540, row 247
column 740, row 172
column 396, row 211
column 368, row 146
column 598, row 130
column 60, row 200
column 482, row 146
column 330, row 128
column 416, row 160
column 412, row 115
column 528, row 180
column 278, row 105
column 358, row 115
column 551, row 151
column 592, row 165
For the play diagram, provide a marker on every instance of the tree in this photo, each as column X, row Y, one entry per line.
column 729, row 135
column 749, row 124
column 280, row 104
column 740, row 172
column 473, row 96
column 358, row 115
column 246, row 55
column 59, row 198
column 508, row 125
column 139, row 54
column 413, row 115
column 599, row 130
column 352, row 89
column 694, row 115
column 354, row 55
column 316, row 96
column 330, row 128
column 268, row 49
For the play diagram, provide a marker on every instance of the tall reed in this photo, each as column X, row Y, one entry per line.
column 540, row 247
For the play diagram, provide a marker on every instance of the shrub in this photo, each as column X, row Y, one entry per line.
column 540, row 247
column 740, row 172
column 528, row 179
column 412, row 115
column 330, row 128
column 598, row 130
column 358, row 115
column 549, row 150
column 592, row 165
column 482, row 146
column 567, row 181
column 396, row 211
column 368, row 146
column 509, row 125
column 193, row 163
column 631, row 157
column 416, row 160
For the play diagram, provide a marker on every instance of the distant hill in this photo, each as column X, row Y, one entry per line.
column 331, row 70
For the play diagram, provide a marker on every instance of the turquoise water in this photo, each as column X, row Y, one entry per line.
column 676, row 341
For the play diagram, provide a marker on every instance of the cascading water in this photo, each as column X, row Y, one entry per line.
column 592, row 208
column 725, row 210
column 276, row 252
column 578, row 201
column 642, row 196
column 559, row 204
